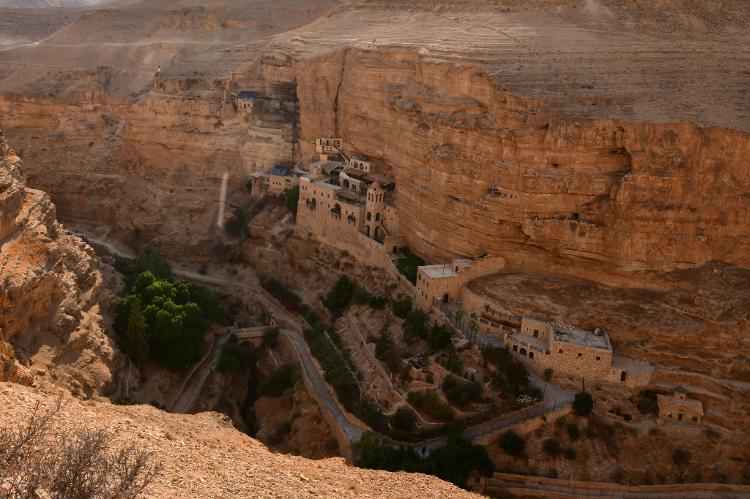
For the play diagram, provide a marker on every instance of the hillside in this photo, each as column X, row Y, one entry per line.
column 203, row 455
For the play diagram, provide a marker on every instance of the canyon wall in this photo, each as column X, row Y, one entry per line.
column 149, row 169
column 51, row 327
column 479, row 170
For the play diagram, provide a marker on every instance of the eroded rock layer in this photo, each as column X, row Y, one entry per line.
column 51, row 289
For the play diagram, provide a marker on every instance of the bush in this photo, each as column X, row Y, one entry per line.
column 281, row 380
column 234, row 357
column 569, row 453
column 339, row 297
column 573, row 432
column 513, row 376
column 407, row 264
column 511, row 443
column 414, row 325
column 432, row 405
column 387, row 352
column 40, row 459
column 583, row 403
column 271, row 337
column 647, row 403
column 149, row 260
column 439, row 338
column 552, row 447
column 401, row 307
column 404, row 420
column 291, row 198
column 461, row 393
column 454, row 461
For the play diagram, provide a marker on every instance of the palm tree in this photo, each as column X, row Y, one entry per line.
column 458, row 316
column 473, row 329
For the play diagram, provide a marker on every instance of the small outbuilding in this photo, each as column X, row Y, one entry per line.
column 679, row 408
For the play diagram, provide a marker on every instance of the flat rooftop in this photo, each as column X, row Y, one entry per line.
column 438, row 271
column 577, row 336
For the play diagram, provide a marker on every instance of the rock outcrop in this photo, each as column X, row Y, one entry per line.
column 51, row 289
column 204, row 456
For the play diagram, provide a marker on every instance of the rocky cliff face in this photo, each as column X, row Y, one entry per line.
column 479, row 170
column 51, row 290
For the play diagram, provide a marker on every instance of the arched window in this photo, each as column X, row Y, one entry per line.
column 369, row 216
column 531, row 355
column 367, row 231
column 377, row 217
column 523, row 351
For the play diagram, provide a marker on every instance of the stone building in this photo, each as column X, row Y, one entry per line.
column 679, row 408
column 280, row 179
column 246, row 100
column 443, row 283
column 345, row 200
column 574, row 352
column 329, row 148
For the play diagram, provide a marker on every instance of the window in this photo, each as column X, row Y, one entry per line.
column 680, row 416
column 598, row 358
column 623, row 375
column 536, row 333
column 580, row 355
column 531, row 355
column 515, row 348
column 523, row 351
column 560, row 351
column 695, row 419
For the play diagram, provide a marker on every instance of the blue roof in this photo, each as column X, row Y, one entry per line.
column 280, row 171
column 247, row 95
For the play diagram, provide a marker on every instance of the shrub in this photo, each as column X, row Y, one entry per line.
column 573, row 432
column 339, row 297
column 439, row 338
column 432, row 405
column 552, row 447
column 681, row 457
column 387, row 352
column 401, row 307
column 414, row 325
column 271, row 337
column 291, row 198
column 149, row 260
column 511, row 443
column 454, row 461
column 377, row 302
column 40, row 459
column 513, row 376
column 647, row 403
column 461, row 393
column 569, row 453
column 281, row 380
column 407, row 264
column 404, row 419
column 583, row 403
column 234, row 357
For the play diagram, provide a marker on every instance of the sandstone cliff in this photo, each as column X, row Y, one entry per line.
column 50, row 320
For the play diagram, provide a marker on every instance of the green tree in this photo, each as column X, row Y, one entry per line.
column 414, row 325
column 401, row 307
column 583, row 403
column 271, row 337
column 404, row 419
column 387, row 352
column 135, row 343
column 458, row 316
column 149, row 260
column 473, row 330
column 439, row 338
column 291, row 198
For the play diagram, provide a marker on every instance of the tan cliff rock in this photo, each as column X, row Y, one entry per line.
column 51, row 321
column 202, row 455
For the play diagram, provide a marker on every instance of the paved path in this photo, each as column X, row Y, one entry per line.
column 185, row 401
